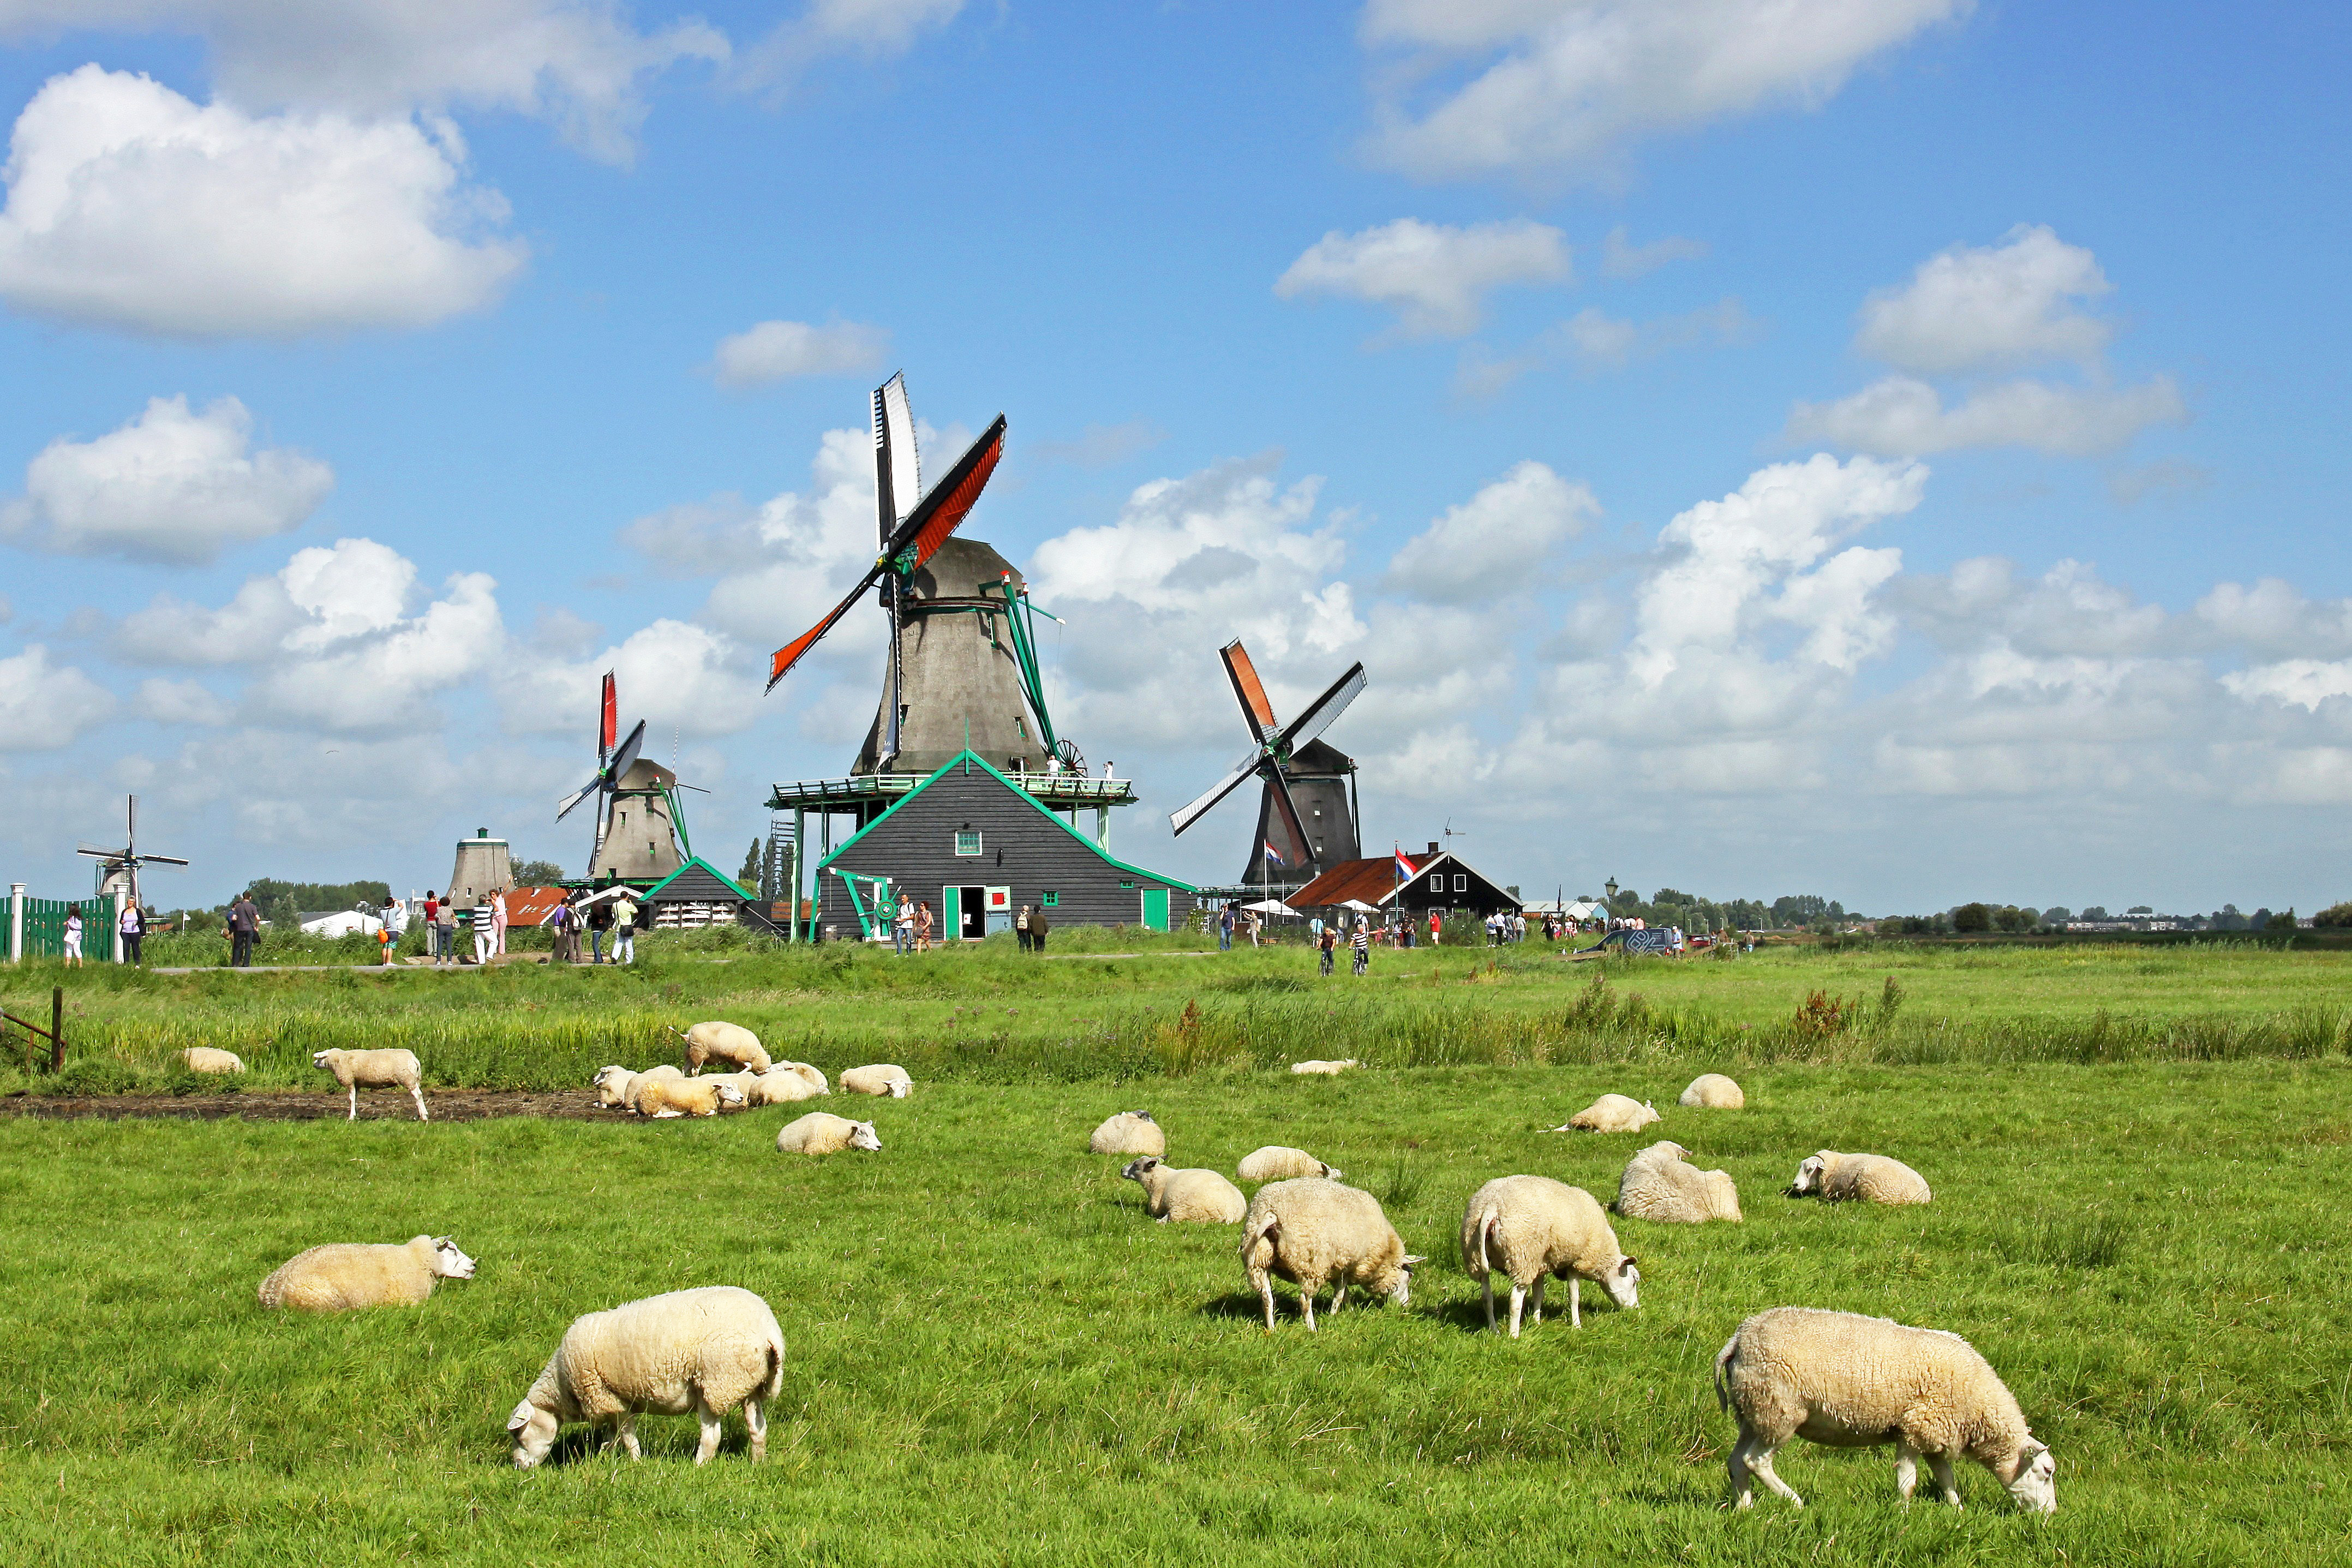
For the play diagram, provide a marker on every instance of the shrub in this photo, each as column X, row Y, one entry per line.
column 1820, row 1015
column 1972, row 918
column 2333, row 915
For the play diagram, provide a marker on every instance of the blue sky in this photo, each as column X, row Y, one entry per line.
column 1886, row 449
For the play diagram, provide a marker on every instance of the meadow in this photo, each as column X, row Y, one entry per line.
column 994, row 1356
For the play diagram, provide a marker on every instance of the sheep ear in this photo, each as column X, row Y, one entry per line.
column 1414, row 1259
column 521, row 1416
column 442, row 1241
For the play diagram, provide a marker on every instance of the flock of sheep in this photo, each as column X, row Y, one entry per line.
column 1834, row 1378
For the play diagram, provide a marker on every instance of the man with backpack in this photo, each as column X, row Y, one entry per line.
column 625, row 930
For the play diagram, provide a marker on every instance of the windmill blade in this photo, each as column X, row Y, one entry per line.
column 565, row 809
column 942, row 511
column 897, row 465
column 625, row 756
column 1248, row 691
column 1243, row 771
column 780, row 663
column 1298, row 852
column 1321, row 711
column 100, row 852
column 608, row 721
column 160, row 860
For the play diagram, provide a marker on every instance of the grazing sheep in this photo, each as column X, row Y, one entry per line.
column 1327, row 1069
column 1532, row 1227
column 342, row 1276
column 703, row 1351
column 809, row 1074
column 1612, row 1113
column 883, row 1079
column 356, row 1070
column 778, row 1086
column 1201, row 1196
column 1847, row 1380
column 616, row 1086
column 1712, row 1092
column 1130, row 1132
column 1275, row 1163
column 730, row 1043
column 1314, row 1232
column 1874, row 1178
column 663, row 1097
column 210, row 1058
column 1660, row 1184
column 822, row 1133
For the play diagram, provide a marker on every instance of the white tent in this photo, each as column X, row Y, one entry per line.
column 1272, row 906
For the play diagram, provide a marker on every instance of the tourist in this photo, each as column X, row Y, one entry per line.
column 1256, row 921
column 1327, row 938
column 133, row 926
column 499, row 921
column 624, row 929
column 1037, row 931
column 1226, row 928
column 387, row 929
column 1436, row 928
column 565, row 923
column 600, row 920
column 243, row 928
column 923, row 926
column 485, row 927
column 1363, row 944
column 73, row 936
column 448, row 928
column 902, row 930
column 432, row 924
column 1020, row 927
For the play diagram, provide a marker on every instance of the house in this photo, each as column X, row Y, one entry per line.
column 1440, row 880
column 694, row 895
column 976, row 846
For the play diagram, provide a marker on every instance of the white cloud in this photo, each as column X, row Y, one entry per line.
column 2271, row 619
column 1595, row 342
column 775, row 350
column 2000, row 306
column 679, row 677
column 179, row 703
column 1620, row 258
column 869, row 29
column 170, row 485
column 45, row 707
column 130, row 207
column 1435, row 277
column 1900, row 416
column 1496, row 542
column 1577, row 81
column 2303, row 682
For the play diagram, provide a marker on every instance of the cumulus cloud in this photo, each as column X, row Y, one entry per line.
column 1434, row 276
column 180, row 702
column 170, row 486
column 2272, row 619
column 680, row 677
column 777, row 350
column 1496, row 542
column 1998, row 307
column 1900, row 416
column 45, row 707
column 129, row 207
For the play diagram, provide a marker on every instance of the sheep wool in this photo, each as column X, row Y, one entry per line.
column 1612, row 1113
column 724, row 1042
column 779, row 1086
column 1327, row 1069
column 701, row 1352
column 616, row 1086
column 1838, row 1178
column 883, row 1079
column 1712, row 1092
column 821, row 1132
column 1661, row 1183
column 1130, row 1132
column 211, row 1058
column 1315, row 1232
column 344, row 1276
column 1534, row 1228
column 356, row 1070
column 663, row 1097
column 1275, row 1163
column 1847, row 1380
column 1202, row 1197
column 808, row 1075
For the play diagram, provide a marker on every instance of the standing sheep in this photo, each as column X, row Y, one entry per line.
column 1660, row 1184
column 1612, row 1113
column 1326, row 1069
column 1314, row 1232
column 703, row 1351
column 616, row 1086
column 1275, row 1163
column 211, row 1058
column 1874, row 1178
column 1201, row 1196
column 822, row 1133
column 663, row 1097
column 356, row 1070
column 1130, row 1132
column 730, row 1043
column 1847, row 1380
column 1532, row 1227
column 342, row 1276
column 1712, row 1092
column 883, row 1079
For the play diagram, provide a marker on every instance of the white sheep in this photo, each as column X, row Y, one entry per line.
column 717, row 1041
column 1874, row 1178
column 356, row 1070
column 779, row 1086
column 1130, row 1132
column 808, row 1074
column 1661, row 1183
column 1276, row 1163
column 616, row 1086
column 1532, row 1228
column 822, row 1133
column 211, row 1058
column 1612, row 1113
column 1201, row 1196
column 1327, row 1069
column 1712, row 1092
column 882, row 1079
column 663, row 1097
column 704, row 1351
column 1314, row 1232
column 1847, row 1380
column 342, row 1276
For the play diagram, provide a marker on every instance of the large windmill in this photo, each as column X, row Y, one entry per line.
column 118, row 870
column 638, row 825
column 1297, row 770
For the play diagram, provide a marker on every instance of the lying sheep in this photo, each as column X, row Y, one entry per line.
column 808, row 1075
column 356, row 1070
column 704, row 1351
column 210, row 1058
column 616, row 1086
column 663, row 1097
column 1199, row 1196
column 1612, row 1113
column 1847, row 1380
column 1130, row 1132
column 882, row 1079
column 1314, row 1232
column 730, row 1043
column 1532, row 1228
column 822, row 1133
column 1275, row 1163
column 343, row 1275
column 1661, row 1183
column 779, row 1086
column 1712, row 1092
column 1326, row 1068
column 1874, row 1178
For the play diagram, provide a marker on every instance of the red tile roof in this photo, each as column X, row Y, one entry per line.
column 530, row 906
column 1371, row 881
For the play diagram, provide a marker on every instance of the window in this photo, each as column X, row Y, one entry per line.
column 1049, row 900
column 967, row 842
column 1461, row 882
column 1126, row 881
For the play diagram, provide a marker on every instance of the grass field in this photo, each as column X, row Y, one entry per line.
column 994, row 1357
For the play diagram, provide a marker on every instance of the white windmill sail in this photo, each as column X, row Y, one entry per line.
column 898, row 486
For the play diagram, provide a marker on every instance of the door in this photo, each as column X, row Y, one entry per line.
column 1000, row 910
column 972, row 913
column 1155, row 908
column 950, row 913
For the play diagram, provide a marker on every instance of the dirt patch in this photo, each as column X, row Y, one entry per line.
column 295, row 1105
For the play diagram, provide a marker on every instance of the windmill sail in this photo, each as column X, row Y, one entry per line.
column 897, row 465
column 1287, row 760
column 608, row 724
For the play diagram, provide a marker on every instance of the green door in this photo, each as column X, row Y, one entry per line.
column 950, row 913
column 1155, row 908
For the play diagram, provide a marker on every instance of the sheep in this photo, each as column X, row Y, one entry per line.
column 778, row 1086
column 209, row 1059
column 730, row 1043
column 882, row 1079
column 1712, row 1092
column 822, row 1133
column 1130, row 1132
column 1660, row 1184
column 1612, row 1113
column 704, row 1351
column 813, row 1078
column 1874, row 1178
column 374, row 1070
column 343, row 1275
column 663, row 1097
column 1532, row 1227
column 1327, row 1069
column 1847, row 1380
column 1312, row 1232
column 1275, row 1163
column 616, row 1086
column 1196, row 1196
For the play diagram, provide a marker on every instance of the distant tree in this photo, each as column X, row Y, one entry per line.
column 537, row 874
column 2281, row 921
column 1798, row 908
column 2259, row 920
column 2056, row 915
column 2010, row 918
column 282, row 904
column 2095, row 913
column 2229, row 918
column 748, row 876
column 2333, row 915
column 2140, row 910
column 1972, row 918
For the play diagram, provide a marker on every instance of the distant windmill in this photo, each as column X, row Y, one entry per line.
column 1292, row 763
column 627, row 782
column 118, row 870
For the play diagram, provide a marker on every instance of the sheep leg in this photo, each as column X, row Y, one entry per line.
column 1486, row 1288
column 713, row 1429
column 1266, row 1294
column 755, row 1416
column 1743, row 1483
column 1307, row 1300
column 1907, row 1471
column 1576, row 1309
column 1941, row 1464
column 354, row 1115
column 1518, row 1300
column 624, row 1426
column 1760, row 1461
column 1540, row 1281
column 1340, row 1296
column 417, row 1095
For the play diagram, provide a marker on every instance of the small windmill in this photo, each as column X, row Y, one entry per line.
column 1277, row 749
column 613, row 766
column 118, row 870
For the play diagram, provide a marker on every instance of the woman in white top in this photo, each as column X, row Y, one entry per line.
column 133, row 928
column 73, row 936
column 499, row 921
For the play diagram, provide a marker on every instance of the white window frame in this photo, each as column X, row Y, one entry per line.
column 975, row 835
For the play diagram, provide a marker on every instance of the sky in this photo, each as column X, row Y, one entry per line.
column 1890, row 449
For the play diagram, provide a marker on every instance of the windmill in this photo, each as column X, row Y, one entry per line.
column 1294, row 764
column 118, row 870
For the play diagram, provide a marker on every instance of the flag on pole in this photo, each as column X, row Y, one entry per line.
column 1272, row 854
column 1404, row 868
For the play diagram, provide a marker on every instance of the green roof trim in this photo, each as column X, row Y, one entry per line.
column 964, row 760
column 692, row 861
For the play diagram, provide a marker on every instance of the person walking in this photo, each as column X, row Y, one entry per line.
column 600, row 920
column 902, row 928
column 447, row 928
column 1038, row 932
column 244, row 927
column 1226, row 928
column 133, row 928
column 1436, row 928
column 1020, row 927
column 625, row 930
column 923, row 926
column 73, row 936
column 564, row 923
column 499, row 921
column 1363, row 944
column 1327, row 938
column 486, row 938
column 1256, row 922
column 387, row 929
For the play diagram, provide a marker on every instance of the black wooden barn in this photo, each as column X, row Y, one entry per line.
column 976, row 847
column 1439, row 881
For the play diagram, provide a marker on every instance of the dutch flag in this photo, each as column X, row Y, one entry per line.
column 1405, row 868
column 1272, row 854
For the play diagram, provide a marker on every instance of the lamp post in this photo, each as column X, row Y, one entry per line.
column 1612, row 886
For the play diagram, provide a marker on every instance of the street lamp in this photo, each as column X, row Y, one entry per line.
column 1612, row 886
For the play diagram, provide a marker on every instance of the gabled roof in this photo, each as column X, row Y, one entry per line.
column 694, row 885
column 1370, row 881
column 531, row 906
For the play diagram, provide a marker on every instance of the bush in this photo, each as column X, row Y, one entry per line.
column 2335, row 915
column 1972, row 918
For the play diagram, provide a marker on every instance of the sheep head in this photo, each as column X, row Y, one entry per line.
column 729, row 1095
column 533, row 1428
column 1332, row 1173
column 448, row 1262
column 2035, row 1483
column 1809, row 1174
column 1138, row 1167
column 1623, row 1283
column 321, row 1058
column 1395, row 1281
column 863, row 1136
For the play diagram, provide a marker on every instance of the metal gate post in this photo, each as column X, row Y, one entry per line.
column 15, row 923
